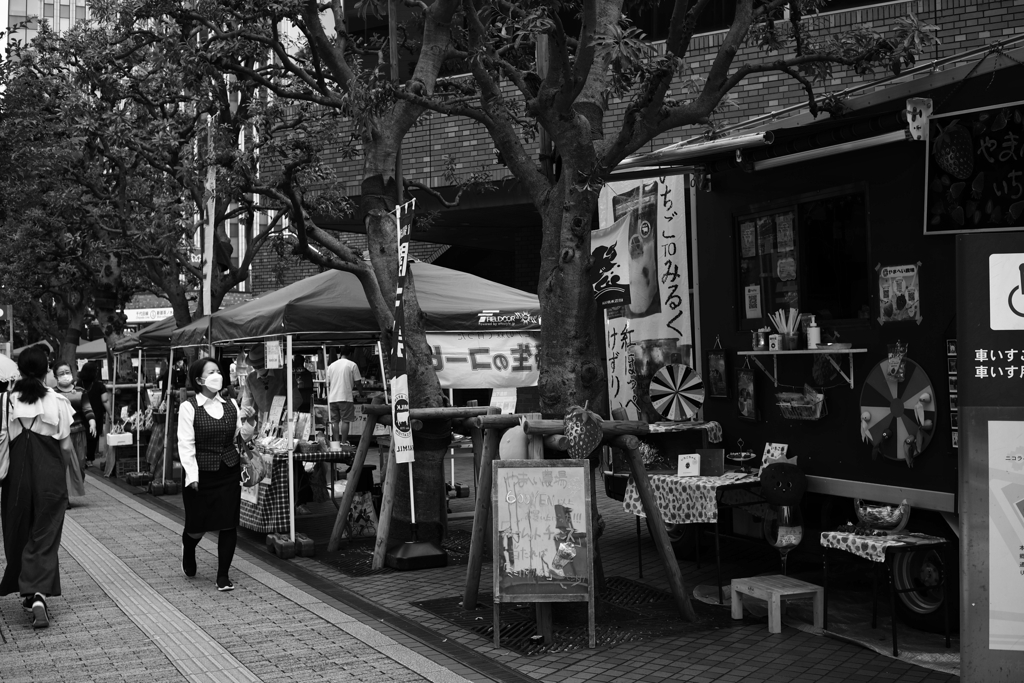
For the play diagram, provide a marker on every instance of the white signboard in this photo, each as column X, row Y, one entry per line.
column 504, row 399
column 147, row 315
column 485, row 360
column 274, row 356
column 1006, row 291
column 1006, row 534
column 654, row 329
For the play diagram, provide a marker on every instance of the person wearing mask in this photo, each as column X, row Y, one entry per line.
column 207, row 426
column 83, row 416
column 33, row 491
column 99, row 399
column 262, row 385
column 342, row 376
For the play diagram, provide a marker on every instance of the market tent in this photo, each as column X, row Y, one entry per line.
column 94, row 349
column 196, row 333
column 158, row 334
column 333, row 305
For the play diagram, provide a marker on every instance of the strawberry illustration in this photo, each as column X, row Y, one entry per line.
column 953, row 150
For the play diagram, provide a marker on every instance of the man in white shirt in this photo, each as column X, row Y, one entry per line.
column 342, row 376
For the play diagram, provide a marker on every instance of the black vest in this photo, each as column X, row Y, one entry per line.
column 215, row 439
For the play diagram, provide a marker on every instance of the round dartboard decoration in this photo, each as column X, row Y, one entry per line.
column 897, row 413
column 677, row 392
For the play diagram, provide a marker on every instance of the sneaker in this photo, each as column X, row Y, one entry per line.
column 188, row 561
column 224, row 584
column 40, row 619
column 26, row 604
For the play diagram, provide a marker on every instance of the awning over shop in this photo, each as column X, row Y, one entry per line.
column 332, row 305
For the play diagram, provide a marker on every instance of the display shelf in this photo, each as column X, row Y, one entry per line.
column 773, row 376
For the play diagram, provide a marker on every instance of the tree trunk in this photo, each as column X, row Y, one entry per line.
column 424, row 388
column 72, row 333
column 571, row 368
column 107, row 299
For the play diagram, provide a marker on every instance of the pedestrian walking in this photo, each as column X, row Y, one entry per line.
column 342, row 377
column 99, row 399
column 80, row 432
column 207, row 427
column 34, row 492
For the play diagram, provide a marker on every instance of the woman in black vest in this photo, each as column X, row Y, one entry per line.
column 207, row 425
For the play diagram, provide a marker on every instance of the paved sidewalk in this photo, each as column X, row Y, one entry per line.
column 128, row 614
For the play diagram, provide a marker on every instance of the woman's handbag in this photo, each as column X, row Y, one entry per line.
column 254, row 468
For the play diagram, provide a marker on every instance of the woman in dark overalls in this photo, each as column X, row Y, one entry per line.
column 34, row 494
column 207, row 426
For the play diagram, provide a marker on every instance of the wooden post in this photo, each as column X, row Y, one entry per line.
column 535, row 442
column 657, row 525
column 380, row 545
column 353, row 480
column 481, row 516
column 546, row 623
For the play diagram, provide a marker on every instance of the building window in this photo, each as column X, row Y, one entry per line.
column 48, row 10
column 65, row 13
column 810, row 255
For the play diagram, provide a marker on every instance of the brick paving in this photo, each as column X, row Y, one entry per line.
column 128, row 614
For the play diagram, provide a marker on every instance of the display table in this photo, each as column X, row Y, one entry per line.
column 693, row 500
column 269, row 515
column 687, row 500
column 884, row 550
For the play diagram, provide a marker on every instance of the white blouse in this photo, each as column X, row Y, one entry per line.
column 214, row 407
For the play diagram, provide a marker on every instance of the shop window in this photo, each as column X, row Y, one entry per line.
column 811, row 255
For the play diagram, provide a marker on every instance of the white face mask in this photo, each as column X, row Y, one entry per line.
column 65, row 379
column 214, row 382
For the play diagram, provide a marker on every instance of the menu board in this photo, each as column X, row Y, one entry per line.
column 975, row 171
column 768, row 270
column 542, row 524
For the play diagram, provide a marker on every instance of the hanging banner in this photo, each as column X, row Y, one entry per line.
column 485, row 360
column 655, row 327
column 609, row 270
column 402, row 433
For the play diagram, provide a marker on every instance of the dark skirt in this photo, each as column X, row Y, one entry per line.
column 216, row 504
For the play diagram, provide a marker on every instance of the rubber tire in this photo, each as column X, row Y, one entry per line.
column 683, row 538
column 923, row 609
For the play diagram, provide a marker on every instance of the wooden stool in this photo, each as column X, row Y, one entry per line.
column 774, row 589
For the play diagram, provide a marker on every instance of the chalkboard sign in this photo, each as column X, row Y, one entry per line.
column 541, row 513
column 975, row 171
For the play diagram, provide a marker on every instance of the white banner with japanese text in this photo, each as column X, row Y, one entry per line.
column 655, row 327
column 485, row 360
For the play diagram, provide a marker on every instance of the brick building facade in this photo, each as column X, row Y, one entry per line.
column 510, row 256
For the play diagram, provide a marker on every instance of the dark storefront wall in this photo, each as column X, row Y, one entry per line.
column 893, row 176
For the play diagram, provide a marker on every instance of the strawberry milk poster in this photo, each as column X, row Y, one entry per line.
column 899, row 293
column 975, row 171
column 654, row 327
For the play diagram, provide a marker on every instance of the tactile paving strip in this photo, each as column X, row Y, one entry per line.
column 193, row 652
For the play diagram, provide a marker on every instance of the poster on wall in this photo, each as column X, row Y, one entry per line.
column 1006, row 532
column 609, row 267
column 768, row 275
column 975, row 171
column 654, row 328
column 899, row 293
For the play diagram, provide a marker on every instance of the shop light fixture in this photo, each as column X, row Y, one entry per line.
column 682, row 151
column 822, row 152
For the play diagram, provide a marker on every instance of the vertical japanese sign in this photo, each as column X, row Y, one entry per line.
column 402, row 433
column 655, row 327
column 609, row 269
column 990, row 378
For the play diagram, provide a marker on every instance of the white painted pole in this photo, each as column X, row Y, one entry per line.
column 412, row 497
column 138, row 414
column 290, row 432
column 168, row 412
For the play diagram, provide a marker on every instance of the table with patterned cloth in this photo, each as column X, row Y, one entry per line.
column 269, row 515
column 874, row 547
column 687, row 500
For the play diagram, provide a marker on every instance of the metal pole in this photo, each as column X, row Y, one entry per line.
column 412, row 500
column 168, row 413
column 138, row 415
column 291, row 442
